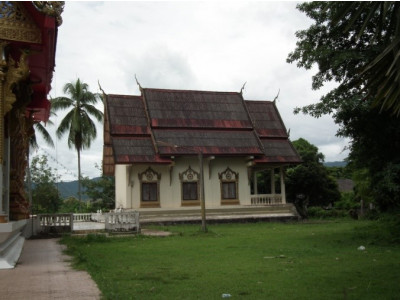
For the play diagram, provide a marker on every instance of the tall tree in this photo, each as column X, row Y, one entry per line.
column 309, row 183
column 38, row 127
column 78, row 123
column 356, row 45
column 46, row 198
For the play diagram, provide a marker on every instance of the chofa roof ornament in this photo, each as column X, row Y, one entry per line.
column 51, row 8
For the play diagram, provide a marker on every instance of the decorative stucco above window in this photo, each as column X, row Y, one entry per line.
column 189, row 187
column 149, row 188
column 229, row 187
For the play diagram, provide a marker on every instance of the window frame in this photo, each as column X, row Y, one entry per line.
column 229, row 177
column 149, row 176
column 190, row 176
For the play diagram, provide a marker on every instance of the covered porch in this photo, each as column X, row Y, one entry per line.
column 268, row 185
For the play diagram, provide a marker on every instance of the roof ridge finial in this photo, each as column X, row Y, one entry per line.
column 241, row 90
column 104, row 93
column 276, row 97
column 137, row 81
column 101, row 89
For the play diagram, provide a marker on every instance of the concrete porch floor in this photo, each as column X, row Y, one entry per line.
column 284, row 212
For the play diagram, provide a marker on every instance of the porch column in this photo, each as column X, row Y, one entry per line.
column 273, row 181
column 283, row 190
column 255, row 185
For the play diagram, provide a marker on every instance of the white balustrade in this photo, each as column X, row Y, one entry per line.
column 122, row 221
column 61, row 221
column 83, row 217
column 266, row 199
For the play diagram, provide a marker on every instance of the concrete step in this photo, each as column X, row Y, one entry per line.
column 242, row 213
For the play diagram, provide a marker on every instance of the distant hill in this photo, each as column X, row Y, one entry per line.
column 70, row 189
column 335, row 164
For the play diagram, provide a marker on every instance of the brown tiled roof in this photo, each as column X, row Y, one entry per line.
column 345, row 185
column 266, row 119
column 272, row 133
column 212, row 142
column 127, row 114
column 162, row 123
column 278, row 151
column 135, row 150
column 196, row 109
column 108, row 156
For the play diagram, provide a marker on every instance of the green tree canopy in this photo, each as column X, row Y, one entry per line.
column 45, row 195
column 101, row 191
column 356, row 45
column 309, row 182
column 77, row 123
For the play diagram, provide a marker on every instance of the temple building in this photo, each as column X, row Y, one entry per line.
column 28, row 37
column 159, row 144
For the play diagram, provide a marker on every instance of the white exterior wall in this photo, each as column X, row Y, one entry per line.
column 122, row 187
column 128, row 196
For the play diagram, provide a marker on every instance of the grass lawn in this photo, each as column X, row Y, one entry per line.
column 251, row 261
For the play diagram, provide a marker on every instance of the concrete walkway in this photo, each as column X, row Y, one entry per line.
column 43, row 273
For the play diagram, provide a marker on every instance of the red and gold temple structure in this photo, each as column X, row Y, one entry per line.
column 28, row 38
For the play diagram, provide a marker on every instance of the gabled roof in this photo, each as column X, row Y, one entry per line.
column 266, row 119
column 128, row 115
column 210, row 142
column 196, row 109
column 162, row 123
column 272, row 132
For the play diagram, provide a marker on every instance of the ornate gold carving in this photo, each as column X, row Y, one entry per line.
column 228, row 175
column 149, row 175
column 16, row 24
column 16, row 72
column 21, row 128
column 51, row 8
column 189, row 175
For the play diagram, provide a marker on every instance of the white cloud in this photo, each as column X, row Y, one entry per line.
column 189, row 45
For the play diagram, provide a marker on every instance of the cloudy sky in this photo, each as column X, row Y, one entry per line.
column 214, row 46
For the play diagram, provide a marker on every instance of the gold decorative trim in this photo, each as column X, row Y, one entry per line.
column 51, row 8
column 16, row 72
column 17, row 25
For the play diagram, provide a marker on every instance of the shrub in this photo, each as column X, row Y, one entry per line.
column 321, row 213
column 347, row 201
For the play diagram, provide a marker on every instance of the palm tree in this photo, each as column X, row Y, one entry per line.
column 44, row 133
column 80, row 127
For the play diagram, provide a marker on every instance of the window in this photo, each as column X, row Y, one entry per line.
column 149, row 188
column 149, row 191
column 190, row 187
column 229, row 187
column 229, row 190
column 189, row 191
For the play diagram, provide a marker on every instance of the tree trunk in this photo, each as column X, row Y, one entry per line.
column 79, row 178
